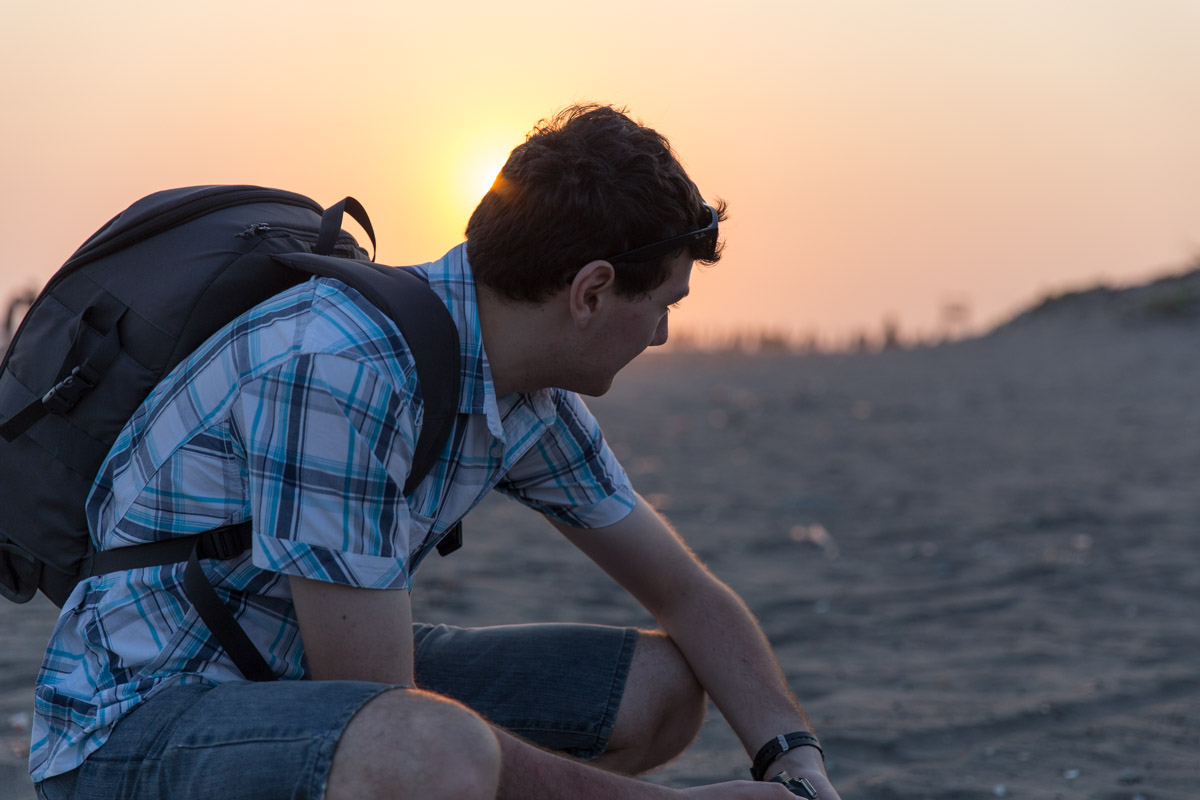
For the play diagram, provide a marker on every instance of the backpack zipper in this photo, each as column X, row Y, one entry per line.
column 257, row 229
column 267, row 229
column 97, row 247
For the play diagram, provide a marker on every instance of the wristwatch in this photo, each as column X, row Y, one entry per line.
column 780, row 745
column 797, row 786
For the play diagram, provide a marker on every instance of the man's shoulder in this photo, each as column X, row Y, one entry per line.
column 321, row 319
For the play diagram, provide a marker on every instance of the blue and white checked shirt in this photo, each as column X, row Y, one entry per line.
column 300, row 415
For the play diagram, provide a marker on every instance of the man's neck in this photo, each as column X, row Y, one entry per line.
column 519, row 340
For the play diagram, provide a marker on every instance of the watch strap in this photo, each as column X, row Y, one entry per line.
column 780, row 745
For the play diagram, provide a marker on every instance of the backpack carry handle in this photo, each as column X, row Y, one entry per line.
column 331, row 225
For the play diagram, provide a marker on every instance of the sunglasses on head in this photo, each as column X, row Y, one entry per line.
column 707, row 235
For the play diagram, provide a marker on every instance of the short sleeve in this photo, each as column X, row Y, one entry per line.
column 570, row 474
column 328, row 442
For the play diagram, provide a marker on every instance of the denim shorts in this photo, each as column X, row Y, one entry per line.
column 558, row 685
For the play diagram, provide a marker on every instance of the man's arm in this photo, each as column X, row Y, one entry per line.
column 721, row 640
column 354, row 634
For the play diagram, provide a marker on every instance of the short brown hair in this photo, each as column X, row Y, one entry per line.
column 587, row 184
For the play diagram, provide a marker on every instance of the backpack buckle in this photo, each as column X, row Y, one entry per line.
column 63, row 396
column 224, row 543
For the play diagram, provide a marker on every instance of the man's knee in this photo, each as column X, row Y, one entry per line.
column 680, row 698
column 413, row 744
column 662, row 708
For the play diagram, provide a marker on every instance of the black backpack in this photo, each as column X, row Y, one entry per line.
column 136, row 299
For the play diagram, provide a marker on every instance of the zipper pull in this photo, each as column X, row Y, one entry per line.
column 257, row 229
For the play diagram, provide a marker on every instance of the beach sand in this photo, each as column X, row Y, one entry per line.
column 979, row 563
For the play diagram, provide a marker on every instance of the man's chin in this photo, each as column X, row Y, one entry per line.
column 590, row 388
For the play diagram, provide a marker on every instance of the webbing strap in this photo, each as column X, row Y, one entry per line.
column 65, row 394
column 226, row 542
column 331, row 225
column 18, row 423
column 220, row 543
column 220, row 621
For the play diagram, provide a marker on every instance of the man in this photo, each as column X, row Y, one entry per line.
column 302, row 416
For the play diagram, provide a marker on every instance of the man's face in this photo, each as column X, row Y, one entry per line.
column 631, row 325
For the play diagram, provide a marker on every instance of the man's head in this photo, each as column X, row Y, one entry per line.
column 588, row 184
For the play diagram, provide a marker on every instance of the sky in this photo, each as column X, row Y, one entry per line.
column 882, row 159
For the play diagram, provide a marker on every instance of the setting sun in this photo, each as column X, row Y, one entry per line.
column 483, row 179
column 480, row 165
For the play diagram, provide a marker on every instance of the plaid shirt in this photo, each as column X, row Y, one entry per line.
column 300, row 415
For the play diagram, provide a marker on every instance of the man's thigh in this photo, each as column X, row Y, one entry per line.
column 557, row 685
column 236, row 740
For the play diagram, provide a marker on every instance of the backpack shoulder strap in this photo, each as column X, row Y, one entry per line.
column 429, row 331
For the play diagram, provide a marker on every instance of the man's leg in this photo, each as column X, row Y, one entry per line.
column 300, row 740
column 411, row 744
column 622, row 698
column 661, row 710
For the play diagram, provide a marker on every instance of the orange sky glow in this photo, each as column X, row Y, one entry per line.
column 881, row 158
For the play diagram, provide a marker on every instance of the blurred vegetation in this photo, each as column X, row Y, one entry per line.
column 1173, row 298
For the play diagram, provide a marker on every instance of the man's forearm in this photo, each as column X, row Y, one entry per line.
column 730, row 654
column 718, row 636
column 530, row 773
column 726, row 648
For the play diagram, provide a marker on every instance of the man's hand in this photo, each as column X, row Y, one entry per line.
column 819, row 782
column 804, row 762
column 742, row 790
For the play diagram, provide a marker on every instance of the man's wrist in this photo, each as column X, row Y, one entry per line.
column 787, row 744
column 798, row 761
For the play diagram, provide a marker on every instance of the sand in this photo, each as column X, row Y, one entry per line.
column 979, row 562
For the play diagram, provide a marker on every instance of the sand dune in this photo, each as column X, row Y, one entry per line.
column 980, row 563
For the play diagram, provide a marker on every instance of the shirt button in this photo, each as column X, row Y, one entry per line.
column 497, row 450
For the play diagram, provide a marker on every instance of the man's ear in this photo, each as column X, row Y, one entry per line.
column 590, row 290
